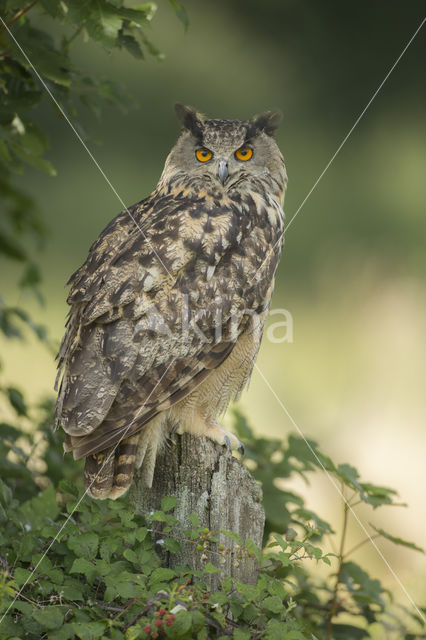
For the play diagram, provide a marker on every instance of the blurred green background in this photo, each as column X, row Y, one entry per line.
column 353, row 270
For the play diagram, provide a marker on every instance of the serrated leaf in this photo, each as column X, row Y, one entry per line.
column 242, row 634
column 49, row 617
column 41, row 509
column 209, row 568
column 172, row 545
column 84, row 545
column 349, row 475
column 23, row 576
column 399, row 541
column 273, row 604
column 181, row 625
column 89, row 630
column 81, row 565
column 161, row 574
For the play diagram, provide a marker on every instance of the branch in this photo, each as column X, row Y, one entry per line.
column 18, row 15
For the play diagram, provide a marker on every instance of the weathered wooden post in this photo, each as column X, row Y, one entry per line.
column 208, row 481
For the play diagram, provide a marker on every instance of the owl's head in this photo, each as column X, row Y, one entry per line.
column 226, row 152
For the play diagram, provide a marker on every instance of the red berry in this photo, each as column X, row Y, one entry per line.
column 162, row 612
column 158, row 623
column 169, row 622
column 147, row 629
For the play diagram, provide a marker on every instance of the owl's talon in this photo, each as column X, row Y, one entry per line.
column 171, row 435
column 242, row 449
column 227, row 443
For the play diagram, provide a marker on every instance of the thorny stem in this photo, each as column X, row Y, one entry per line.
column 334, row 600
column 140, row 614
column 18, row 15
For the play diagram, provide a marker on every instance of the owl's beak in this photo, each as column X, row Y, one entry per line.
column 223, row 171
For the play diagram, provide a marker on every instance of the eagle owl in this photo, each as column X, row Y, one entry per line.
column 168, row 310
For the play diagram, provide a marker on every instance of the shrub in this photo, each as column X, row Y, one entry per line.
column 72, row 567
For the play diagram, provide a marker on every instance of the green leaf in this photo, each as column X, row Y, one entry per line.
column 31, row 276
column 33, row 138
column 32, row 160
column 49, row 617
column 172, row 545
column 181, row 625
column 23, row 576
column 348, row 632
column 84, row 545
column 162, row 574
column 168, row 503
column 40, row 509
column 89, row 630
column 10, row 248
column 242, row 634
column 273, row 604
column 159, row 516
column 180, row 12
column 51, row 63
column 99, row 17
column 81, row 565
column 210, row 568
column 399, row 541
column 349, row 475
column 17, row 401
column 127, row 590
column 194, row 519
column 141, row 534
column 130, row 555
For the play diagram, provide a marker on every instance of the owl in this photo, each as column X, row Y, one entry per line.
column 167, row 313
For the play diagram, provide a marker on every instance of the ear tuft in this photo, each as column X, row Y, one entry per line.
column 190, row 119
column 267, row 121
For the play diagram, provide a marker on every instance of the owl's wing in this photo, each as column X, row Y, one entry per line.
column 127, row 354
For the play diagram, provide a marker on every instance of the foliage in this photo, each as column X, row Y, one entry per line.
column 35, row 26
column 102, row 577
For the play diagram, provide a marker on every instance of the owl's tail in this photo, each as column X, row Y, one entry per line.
column 109, row 473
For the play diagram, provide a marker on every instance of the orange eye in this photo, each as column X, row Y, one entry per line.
column 244, row 153
column 203, row 155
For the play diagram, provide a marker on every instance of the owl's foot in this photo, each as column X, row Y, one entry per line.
column 220, row 435
column 214, row 431
column 170, row 437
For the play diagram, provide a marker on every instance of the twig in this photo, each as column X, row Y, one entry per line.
column 362, row 543
column 18, row 15
column 334, row 601
column 73, row 37
column 140, row 614
column 108, row 607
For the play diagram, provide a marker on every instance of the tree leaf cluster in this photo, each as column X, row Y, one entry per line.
column 41, row 41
